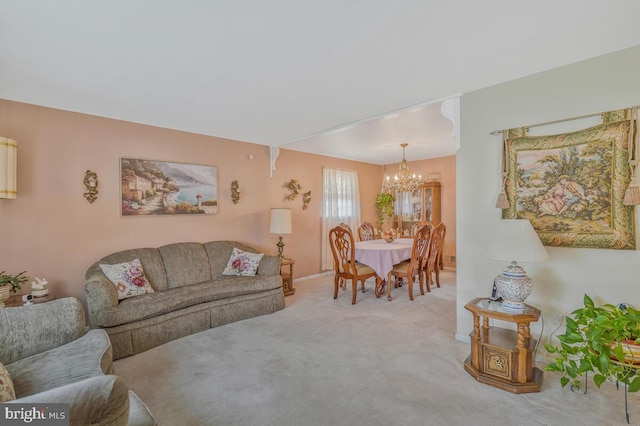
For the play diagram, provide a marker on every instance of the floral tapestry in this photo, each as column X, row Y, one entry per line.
column 571, row 186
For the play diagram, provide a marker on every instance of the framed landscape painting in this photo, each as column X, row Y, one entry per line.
column 152, row 187
column 571, row 186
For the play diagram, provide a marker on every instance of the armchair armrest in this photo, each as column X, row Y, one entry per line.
column 99, row 400
column 29, row 330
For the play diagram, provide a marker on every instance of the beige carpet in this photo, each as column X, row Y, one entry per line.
column 325, row 362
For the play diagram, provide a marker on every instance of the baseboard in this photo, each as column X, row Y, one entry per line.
column 463, row 338
column 310, row 277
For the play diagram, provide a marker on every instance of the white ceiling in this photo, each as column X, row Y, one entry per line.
column 282, row 71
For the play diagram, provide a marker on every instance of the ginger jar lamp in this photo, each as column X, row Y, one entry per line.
column 515, row 240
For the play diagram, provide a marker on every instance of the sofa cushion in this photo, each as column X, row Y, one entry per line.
column 243, row 263
column 128, row 278
column 7, row 392
column 151, row 305
column 87, row 356
column 185, row 264
column 150, row 259
column 219, row 252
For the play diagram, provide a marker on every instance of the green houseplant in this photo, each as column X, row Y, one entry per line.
column 13, row 281
column 595, row 340
column 384, row 204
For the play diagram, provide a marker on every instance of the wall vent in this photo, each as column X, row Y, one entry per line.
column 452, row 259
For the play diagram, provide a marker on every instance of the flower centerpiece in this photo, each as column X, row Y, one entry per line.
column 390, row 235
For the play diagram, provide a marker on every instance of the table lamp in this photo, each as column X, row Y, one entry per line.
column 280, row 224
column 8, row 168
column 517, row 241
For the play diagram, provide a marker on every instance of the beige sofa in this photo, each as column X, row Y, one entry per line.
column 51, row 358
column 191, row 294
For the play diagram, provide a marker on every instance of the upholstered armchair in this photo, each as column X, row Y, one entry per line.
column 52, row 358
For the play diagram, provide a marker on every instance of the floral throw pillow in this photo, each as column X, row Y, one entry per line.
column 242, row 263
column 128, row 278
column 7, row 392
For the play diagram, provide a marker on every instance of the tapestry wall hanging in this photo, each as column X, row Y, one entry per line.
column 571, row 186
column 163, row 188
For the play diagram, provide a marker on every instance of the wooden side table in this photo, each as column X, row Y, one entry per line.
column 287, row 277
column 499, row 357
column 16, row 300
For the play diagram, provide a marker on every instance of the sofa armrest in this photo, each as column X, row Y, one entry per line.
column 101, row 296
column 99, row 400
column 29, row 330
column 269, row 265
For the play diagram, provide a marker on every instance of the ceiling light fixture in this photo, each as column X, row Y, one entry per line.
column 404, row 180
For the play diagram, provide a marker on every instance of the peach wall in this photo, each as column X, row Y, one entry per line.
column 51, row 231
column 305, row 242
column 446, row 166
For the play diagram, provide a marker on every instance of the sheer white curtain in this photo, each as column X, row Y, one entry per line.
column 340, row 203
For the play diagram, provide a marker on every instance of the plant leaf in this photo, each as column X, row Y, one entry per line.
column 634, row 386
column 588, row 302
column 598, row 379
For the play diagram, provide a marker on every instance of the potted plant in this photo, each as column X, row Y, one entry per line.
column 384, row 203
column 599, row 340
column 10, row 283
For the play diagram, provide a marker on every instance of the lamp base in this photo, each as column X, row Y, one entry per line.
column 514, row 286
column 513, row 306
column 280, row 248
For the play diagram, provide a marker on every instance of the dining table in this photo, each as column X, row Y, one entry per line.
column 381, row 256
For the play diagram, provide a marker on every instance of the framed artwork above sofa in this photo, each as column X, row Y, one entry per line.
column 151, row 187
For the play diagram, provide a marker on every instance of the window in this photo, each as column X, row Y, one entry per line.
column 340, row 203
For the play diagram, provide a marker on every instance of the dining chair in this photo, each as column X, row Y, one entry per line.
column 346, row 225
column 343, row 283
column 432, row 263
column 344, row 262
column 410, row 268
column 365, row 231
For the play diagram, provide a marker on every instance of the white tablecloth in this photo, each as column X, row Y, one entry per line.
column 381, row 256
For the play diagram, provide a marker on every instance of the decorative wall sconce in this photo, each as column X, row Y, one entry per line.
column 295, row 189
column 8, row 168
column 306, row 199
column 91, row 183
column 235, row 192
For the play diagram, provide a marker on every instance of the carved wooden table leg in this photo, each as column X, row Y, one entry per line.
column 475, row 342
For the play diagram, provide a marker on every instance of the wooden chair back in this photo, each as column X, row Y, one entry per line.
column 343, row 250
column 365, row 231
column 432, row 265
column 412, row 267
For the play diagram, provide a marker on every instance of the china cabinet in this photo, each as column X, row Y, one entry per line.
column 418, row 206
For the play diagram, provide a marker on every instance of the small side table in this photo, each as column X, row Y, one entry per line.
column 499, row 357
column 287, row 277
column 16, row 300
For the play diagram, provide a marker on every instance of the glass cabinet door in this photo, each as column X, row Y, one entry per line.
column 418, row 206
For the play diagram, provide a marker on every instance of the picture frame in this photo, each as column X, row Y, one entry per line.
column 153, row 187
column 571, row 186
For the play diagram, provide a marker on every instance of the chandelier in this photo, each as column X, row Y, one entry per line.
column 404, row 180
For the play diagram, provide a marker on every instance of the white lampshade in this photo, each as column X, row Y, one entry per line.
column 8, row 168
column 515, row 239
column 280, row 221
